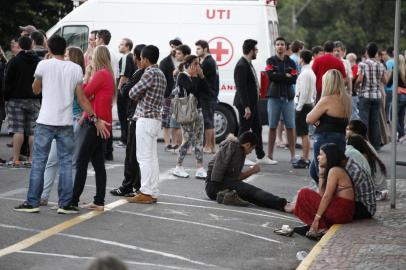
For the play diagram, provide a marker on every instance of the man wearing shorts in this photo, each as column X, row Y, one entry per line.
column 22, row 104
column 282, row 74
column 209, row 98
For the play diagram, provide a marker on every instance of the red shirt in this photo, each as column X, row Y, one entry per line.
column 100, row 91
column 323, row 64
column 354, row 70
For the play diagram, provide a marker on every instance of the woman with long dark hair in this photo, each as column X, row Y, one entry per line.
column 335, row 201
column 188, row 81
column 377, row 167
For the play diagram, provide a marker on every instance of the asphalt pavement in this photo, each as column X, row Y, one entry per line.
column 184, row 230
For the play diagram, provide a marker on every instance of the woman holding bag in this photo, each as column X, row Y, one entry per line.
column 190, row 80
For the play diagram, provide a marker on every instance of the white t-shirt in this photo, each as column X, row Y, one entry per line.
column 114, row 63
column 59, row 80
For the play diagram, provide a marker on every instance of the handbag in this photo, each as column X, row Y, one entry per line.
column 401, row 90
column 184, row 109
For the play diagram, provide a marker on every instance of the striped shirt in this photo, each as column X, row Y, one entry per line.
column 150, row 93
column 373, row 73
column 364, row 185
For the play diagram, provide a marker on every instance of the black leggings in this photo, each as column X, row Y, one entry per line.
column 91, row 150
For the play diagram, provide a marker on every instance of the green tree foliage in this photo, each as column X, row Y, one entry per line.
column 43, row 14
column 354, row 22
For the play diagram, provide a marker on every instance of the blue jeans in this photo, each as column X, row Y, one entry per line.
column 401, row 115
column 43, row 136
column 278, row 106
column 369, row 110
column 51, row 169
column 354, row 111
column 320, row 139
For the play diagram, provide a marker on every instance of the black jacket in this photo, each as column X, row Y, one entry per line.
column 167, row 67
column 211, row 75
column 279, row 84
column 245, row 82
column 125, row 90
column 19, row 76
column 193, row 85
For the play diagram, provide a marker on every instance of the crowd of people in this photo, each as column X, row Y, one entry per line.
column 59, row 101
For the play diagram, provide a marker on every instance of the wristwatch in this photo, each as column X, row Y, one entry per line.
column 93, row 118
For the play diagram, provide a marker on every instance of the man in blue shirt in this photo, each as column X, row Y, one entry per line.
column 389, row 62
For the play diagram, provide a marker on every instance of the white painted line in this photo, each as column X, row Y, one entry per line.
column 14, row 192
column 91, row 258
column 114, row 243
column 268, row 215
column 199, row 224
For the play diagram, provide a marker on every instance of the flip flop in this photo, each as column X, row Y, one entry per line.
column 284, row 232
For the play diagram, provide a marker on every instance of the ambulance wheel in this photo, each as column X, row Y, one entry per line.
column 224, row 122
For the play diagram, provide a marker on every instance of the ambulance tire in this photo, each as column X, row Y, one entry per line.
column 225, row 122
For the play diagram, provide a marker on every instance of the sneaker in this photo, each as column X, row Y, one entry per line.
column 69, row 209
column 300, row 164
column 43, row 202
column 179, row 171
column 119, row 192
column 168, row 148
column 248, row 162
column 220, row 195
column 266, row 161
column 142, row 198
column 92, row 206
column 175, row 149
column 201, row 173
column 382, row 195
column 232, row 198
column 26, row 207
column 120, row 144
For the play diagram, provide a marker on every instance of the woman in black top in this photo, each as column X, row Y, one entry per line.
column 190, row 82
column 330, row 116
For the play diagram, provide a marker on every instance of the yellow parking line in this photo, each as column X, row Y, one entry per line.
column 307, row 262
column 26, row 243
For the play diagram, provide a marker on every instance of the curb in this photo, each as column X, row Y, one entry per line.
column 310, row 258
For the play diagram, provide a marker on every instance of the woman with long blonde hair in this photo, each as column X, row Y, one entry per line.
column 330, row 116
column 401, row 98
column 99, row 87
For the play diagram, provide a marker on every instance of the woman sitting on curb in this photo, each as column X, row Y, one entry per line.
column 335, row 201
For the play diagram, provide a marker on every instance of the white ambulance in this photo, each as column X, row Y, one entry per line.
column 224, row 24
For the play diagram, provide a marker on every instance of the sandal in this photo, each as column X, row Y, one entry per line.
column 315, row 236
column 284, row 231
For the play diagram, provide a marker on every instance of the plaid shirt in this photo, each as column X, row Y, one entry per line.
column 364, row 185
column 373, row 72
column 150, row 93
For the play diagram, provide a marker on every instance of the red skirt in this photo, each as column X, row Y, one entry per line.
column 339, row 211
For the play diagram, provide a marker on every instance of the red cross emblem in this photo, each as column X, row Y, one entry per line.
column 222, row 50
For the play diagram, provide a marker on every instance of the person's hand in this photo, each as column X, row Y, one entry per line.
column 175, row 72
column 255, row 168
column 322, row 171
column 200, row 72
column 247, row 113
column 81, row 120
column 193, row 71
column 288, row 75
column 315, row 226
column 103, row 129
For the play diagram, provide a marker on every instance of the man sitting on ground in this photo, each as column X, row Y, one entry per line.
column 225, row 174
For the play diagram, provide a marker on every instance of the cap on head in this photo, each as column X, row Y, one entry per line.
column 28, row 28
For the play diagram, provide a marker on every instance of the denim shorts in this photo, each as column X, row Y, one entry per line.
column 278, row 107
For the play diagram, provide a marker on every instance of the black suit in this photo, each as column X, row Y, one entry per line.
column 167, row 67
column 247, row 96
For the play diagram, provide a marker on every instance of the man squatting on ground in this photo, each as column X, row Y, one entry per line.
column 225, row 172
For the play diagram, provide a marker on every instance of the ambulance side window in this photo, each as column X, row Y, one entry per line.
column 271, row 37
column 76, row 35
